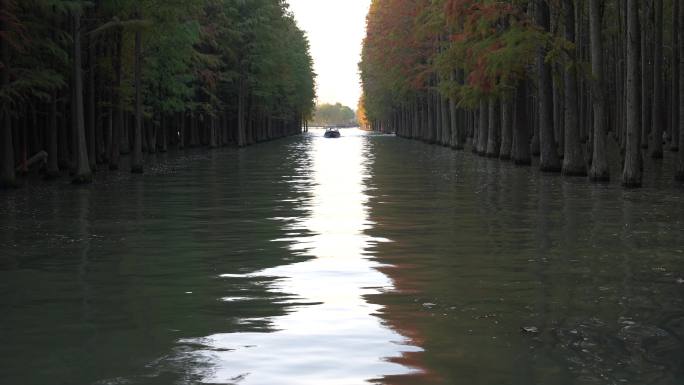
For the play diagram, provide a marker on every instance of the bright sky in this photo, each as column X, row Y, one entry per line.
column 336, row 29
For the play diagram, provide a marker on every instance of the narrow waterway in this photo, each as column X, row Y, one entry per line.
column 339, row 261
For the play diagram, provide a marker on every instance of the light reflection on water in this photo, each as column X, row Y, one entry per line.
column 334, row 336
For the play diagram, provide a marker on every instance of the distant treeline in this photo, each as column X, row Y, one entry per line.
column 84, row 82
column 563, row 80
column 327, row 115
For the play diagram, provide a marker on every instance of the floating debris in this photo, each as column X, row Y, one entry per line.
column 529, row 330
column 680, row 281
column 429, row 305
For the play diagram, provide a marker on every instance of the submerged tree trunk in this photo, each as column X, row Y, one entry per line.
column 456, row 128
column 631, row 174
column 82, row 168
column 163, row 138
column 599, row 165
column 213, row 143
column 446, row 122
column 137, row 158
column 483, row 128
column 493, row 142
column 53, row 162
column 534, row 122
column 521, row 152
column 181, row 130
column 241, row 126
column 573, row 158
column 549, row 160
column 506, row 130
column 151, row 130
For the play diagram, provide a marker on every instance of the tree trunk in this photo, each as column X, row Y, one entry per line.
column 474, row 129
column 107, row 135
column 181, row 131
column 456, row 142
column 7, row 175
column 212, row 132
column 242, row 134
column 680, row 168
column 646, row 71
column 63, row 140
column 534, row 111
column 521, row 132
column 164, row 137
column 483, row 128
column 153, row 128
column 549, row 160
column 599, row 165
column 573, row 158
column 90, row 124
column 437, row 118
column 506, row 130
column 657, row 129
column 430, row 118
column 631, row 174
column 100, row 126
column 53, row 162
column 53, row 144
column 137, row 157
column 676, row 73
column 117, row 108
column 493, row 142
column 194, row 129
column 125, row 139
column 82, row 170
column 446, row 124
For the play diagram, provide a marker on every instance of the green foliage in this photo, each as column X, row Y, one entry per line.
column 194, row 53
column 333, row 114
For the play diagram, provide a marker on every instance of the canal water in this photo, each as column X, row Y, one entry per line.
column 364, row 259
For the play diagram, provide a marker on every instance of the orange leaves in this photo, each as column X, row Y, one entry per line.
column 415, row 44
column 391, row 46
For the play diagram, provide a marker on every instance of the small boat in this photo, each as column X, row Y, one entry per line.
column 332, row 133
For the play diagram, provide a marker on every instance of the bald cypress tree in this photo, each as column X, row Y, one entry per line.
column 680, row 167
column 7, row 176
column 494, row 133
column 676, row 72
column 573, row 159
column 657, row 124
column 137, row 159
column 83, row 173
column 599, row 166
column 549, row 160
column 631, row 174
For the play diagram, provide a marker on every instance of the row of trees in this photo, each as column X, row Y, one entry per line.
column 565, row 80
column 333, row 115
column 84, row 82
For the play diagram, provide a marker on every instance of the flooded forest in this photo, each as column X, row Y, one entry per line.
column 85, row 82
column 569, row 82
column 185, row 197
